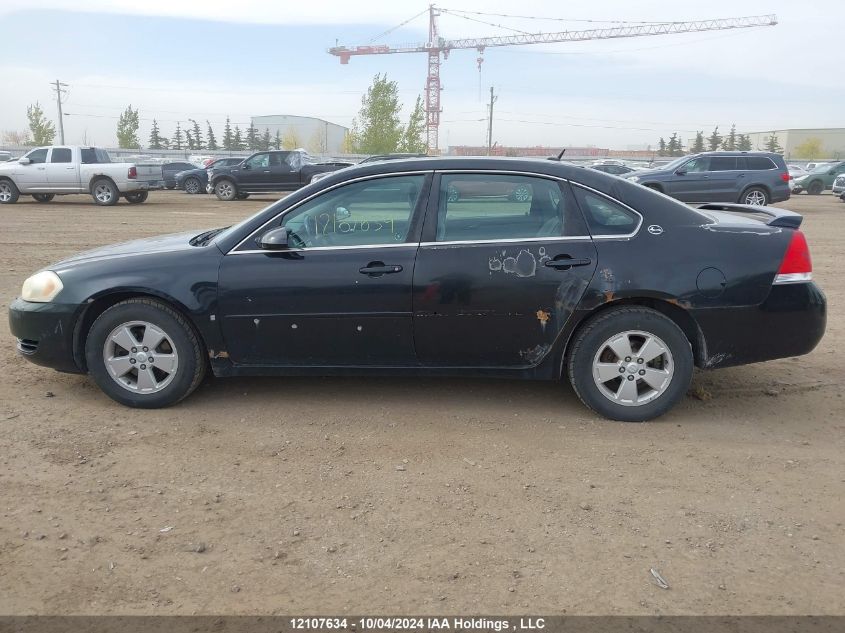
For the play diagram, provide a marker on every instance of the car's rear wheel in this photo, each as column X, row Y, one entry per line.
column 756, row 196
column 9, row 193
column 43, row 197
column 104, row 192
column 225, row 190
column 136, row 197
column 142, row 353
column 192, row 186
column 630, row 364
column 815, row 188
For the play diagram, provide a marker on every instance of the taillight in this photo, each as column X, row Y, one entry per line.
column 796, row 265
column 785, row 176
column 133, row 173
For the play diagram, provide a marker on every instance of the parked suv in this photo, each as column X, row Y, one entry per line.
column 819, row 179
column 758, row 178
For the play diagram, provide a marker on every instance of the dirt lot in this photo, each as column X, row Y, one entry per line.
column 427, row 496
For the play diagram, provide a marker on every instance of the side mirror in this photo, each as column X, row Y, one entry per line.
column 681, row 172
column 341, row 213
column 245, row 166
column 275, row 240
column 24, row 161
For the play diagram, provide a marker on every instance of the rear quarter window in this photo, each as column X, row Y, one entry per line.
column 605, row 216
column 759, row 163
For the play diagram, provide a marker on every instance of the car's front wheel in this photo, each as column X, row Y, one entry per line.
column 43, row 197
column 136, row 197
column 756, row 196
column 192, row 186
column 143, row 353
column 630, row 364
column 225, row 190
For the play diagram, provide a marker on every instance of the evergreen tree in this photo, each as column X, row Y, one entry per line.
column 228, row 137
column 413, row 136
column 744, row 143
column 265, row 139
column 177, row 137
column 729, row 142
column 377, row 129
column 772, row 144
column 237, row 141
column 714, row 140
column 661, row 147
column 155, row 137
column 252, row 140
column 197, row 133
column 127, row 129
column 189, row 139
column 277, row 141
column 698, row 146
column 212, row 140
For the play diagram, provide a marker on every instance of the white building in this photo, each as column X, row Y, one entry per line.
column 831, row 140
column 315, row 135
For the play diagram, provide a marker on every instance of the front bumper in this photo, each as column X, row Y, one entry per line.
column 790, row 322
column 45, row 333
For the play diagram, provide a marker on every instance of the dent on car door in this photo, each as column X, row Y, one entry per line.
column 504, row 262
column 340, row 294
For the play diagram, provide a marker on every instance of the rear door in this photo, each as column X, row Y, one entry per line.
column 62, row 171
column 726, row 179
column 504, row 261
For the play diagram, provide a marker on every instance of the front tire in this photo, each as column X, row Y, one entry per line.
column 43, row 197
column 9, row 193
column 756, row 196
column 136, row 197
column 104, row 192
column 815, row 188
column 192, row 186
column 630, row 364
column 143, row 353
column 225, row 190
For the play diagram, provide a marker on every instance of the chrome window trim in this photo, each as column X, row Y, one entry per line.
column 234, row 249
column 613, row 236
column 509, row 240
column 325, row 248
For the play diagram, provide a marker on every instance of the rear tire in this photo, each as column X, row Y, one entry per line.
column 136, row 197
column 104, row 192
column 129, row 325
column 192, row 186
column 225, row 190
column 756, row 196
column 815, row 188
column 43, row 197
column 612, row 369
column 9, row 193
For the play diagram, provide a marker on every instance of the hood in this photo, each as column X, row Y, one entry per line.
column 645, row 172
column 158, row 244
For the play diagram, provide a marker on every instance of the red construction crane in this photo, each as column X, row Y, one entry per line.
column 437, row 46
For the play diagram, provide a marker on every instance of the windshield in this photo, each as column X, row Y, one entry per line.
column 820, row 169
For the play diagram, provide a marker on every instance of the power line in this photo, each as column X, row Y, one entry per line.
column 59, row 88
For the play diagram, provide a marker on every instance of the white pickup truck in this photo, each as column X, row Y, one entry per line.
column 45, row 172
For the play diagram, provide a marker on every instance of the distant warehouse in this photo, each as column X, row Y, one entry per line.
column 804, row 142
column 315, row 135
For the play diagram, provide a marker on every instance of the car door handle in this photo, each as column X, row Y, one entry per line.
column 565, row 262
column 376, row 269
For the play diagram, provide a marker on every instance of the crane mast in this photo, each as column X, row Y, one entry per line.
column 438, row 48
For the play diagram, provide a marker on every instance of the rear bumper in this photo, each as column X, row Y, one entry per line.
column 141, row 185
column 44, row 333
column 790, row 322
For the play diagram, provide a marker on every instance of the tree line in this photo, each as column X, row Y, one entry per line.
column 732, row 141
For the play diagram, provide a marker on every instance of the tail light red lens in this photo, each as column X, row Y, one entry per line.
column 796, row 265
column 133, row 172
column 785, row 176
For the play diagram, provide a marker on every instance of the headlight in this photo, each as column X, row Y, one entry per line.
column 634, row 178
column 42, row 287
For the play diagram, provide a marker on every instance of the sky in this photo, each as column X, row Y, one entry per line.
column 212, row 58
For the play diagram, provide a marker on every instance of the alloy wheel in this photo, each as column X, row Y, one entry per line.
column 103, row 193
column 140, row 357
column 632, row 368
column 5, row 192
column 755, row 197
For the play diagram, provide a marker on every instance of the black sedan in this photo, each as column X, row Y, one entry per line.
column 194, row 180
column 169, row 171
column 375, row 270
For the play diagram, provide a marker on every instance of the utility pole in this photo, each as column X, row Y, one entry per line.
column 490, row 122
column 59, row 87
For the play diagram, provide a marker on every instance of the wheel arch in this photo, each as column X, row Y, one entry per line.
column 757, row 185
column 97, row 177
column 99, row 303
column 667, row 306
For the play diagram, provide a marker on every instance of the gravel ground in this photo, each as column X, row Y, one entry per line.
column 304, row 495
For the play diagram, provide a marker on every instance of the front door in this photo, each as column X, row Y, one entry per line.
column 255, row 174
column 32, row 176
column 340, row 295
column 691, row 181
column 62, row 172
column 504, row 262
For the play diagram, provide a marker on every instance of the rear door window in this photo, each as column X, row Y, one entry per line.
column 723, row 163
column 491, row 207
